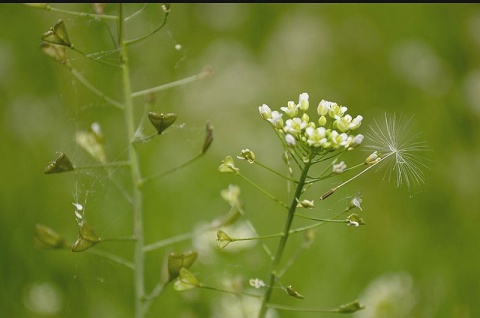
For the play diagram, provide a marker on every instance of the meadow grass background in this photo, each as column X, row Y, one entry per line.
column 414, row 59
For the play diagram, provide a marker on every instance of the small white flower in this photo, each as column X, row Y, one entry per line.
column 256, row 283
column 338, row 140
column 356, row 202
column 290, row 140
column 343, row 123
column 339, row 168
column 78, row 206
column 265, row 111
column 354, row 141
column 356, row 122
column 336, row 111
column 294, row 126
column 276, row 119
column 316, row 137
column 303, row 103
column 291, row 110
column 353, row 223
column 308, row 204
column 324, row 107
column 247, row 154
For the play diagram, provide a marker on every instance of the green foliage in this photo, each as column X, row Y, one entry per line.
column 417, row 59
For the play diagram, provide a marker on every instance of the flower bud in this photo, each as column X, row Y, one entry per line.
column 373, row 158
column 290, row 140
column 265, row 112
column 323, row 107
column 303, row 103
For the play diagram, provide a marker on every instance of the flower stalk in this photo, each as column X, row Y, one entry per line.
column 283, row 240
column 137, row 210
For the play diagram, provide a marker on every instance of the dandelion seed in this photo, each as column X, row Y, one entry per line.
column 399, row 150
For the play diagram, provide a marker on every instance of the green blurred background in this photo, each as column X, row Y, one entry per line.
column 420, row 245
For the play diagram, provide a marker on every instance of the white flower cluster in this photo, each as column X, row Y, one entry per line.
column 330, row 132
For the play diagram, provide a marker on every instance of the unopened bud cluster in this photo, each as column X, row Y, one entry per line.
column 331, row 131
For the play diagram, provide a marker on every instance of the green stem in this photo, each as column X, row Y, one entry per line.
column 168, row 85
column 75, row 13
column 263, row 237
column 117, row 239
column 289, row 308
column 155, row 293
column 129, row 42
column 283, row 240
column 273, row 171
column 138, row 257
column 228, row 291
column 103, row 165
column 111, row 257
column 96, row 91
column 162, row 174
column 332, row 190
column 166, row 242
column 262, row 190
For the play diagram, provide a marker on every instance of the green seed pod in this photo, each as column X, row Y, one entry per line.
column 186, row 281
column 86, row 237
column 56, row 52
column 92, row 142
column 350, row 308
column 49, row 237
column 61, row 164
column 293, row 293
column 161, row 121
column 57, row 35
column 208, row 138
column 178, row 261
column 223, row 239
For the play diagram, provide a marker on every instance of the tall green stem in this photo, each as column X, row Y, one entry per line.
column 283, row 240
column 138, row 257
